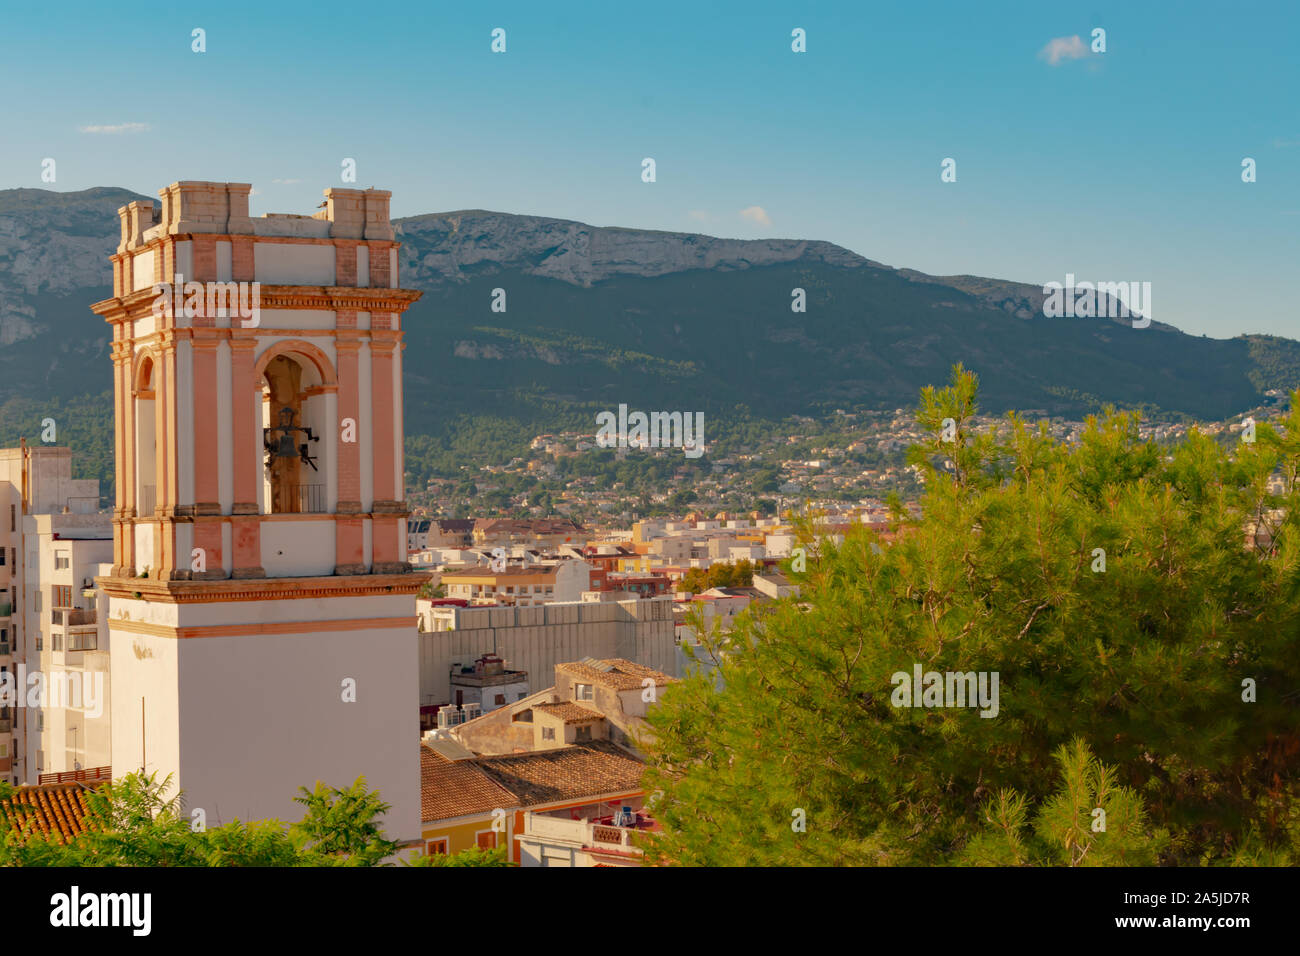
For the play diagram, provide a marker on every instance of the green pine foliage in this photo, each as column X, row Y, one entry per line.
column 1089, row 821
column 793, row 751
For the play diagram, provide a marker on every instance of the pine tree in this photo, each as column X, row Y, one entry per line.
column 1110, row 586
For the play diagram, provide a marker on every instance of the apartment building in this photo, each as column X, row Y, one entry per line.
column 68, row 646
column 525, row 586
column 55, row 719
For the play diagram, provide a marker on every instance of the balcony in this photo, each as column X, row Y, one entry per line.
column 73, row 616
column 84, row 640
column 616, row 836
column 602, row 836
column 70, row 776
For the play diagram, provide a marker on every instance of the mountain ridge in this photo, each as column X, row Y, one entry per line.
column 598, row 315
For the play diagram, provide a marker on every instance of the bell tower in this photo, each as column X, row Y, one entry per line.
column 261, row 617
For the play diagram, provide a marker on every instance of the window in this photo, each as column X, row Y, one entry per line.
column 2, row 557
column 61, row 595
column 61, row 562
column 40, row 642
column 36, row 601
column 548, row 733
column 13, row 518
column 486, row 839
column 57, row 643
column 583, row 732
column 500, row 699
column 436, row 847
column 582, row 692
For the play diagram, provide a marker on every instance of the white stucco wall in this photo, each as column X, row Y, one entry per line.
column 243, row 721
column 280, row 263
column 298, row 548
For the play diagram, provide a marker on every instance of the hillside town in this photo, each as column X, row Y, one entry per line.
column 847, row 460
column 487, row 655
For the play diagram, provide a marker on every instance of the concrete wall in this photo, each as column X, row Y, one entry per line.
column 535, row 639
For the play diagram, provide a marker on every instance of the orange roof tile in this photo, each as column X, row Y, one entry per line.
column 570, row 713
column 567, row 773
column 54, row 809
column 622, row 675
column 457, row 788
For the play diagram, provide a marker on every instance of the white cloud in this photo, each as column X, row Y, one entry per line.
column 1063, row 48
column 756, row 214
column 699, row 215
column 286, row 182
column 119, row 128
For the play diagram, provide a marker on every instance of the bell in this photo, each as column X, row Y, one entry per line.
column 285, row 447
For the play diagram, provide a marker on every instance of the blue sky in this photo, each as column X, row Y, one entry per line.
column 1117, row 166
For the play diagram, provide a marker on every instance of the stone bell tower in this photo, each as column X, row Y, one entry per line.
column 261, row 618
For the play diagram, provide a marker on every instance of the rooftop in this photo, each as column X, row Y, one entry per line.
column 616, row 673
column 569, row 712
column 54, row 809
column 569, row 773
column 457, row 788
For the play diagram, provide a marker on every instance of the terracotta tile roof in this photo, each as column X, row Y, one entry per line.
column 568, row 773
column 457, row 788
column 56, row 809
column 622, row 674
column 570, row 713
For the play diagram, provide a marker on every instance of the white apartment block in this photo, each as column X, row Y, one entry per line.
column 526, row 586
column 53, row 647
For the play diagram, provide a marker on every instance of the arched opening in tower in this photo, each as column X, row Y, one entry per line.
column 293, row 414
